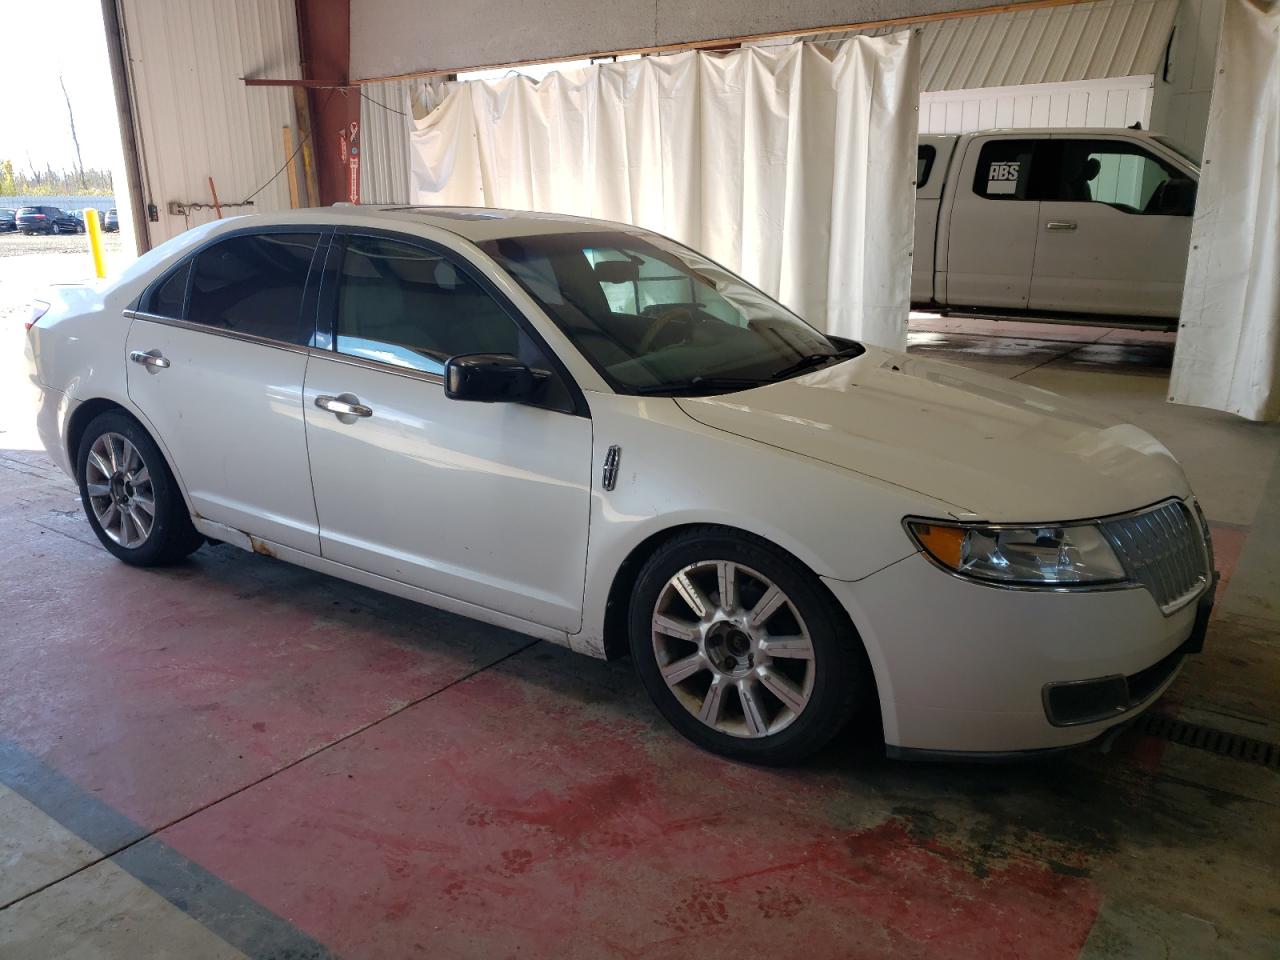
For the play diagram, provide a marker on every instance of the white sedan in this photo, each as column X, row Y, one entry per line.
column 593, row 435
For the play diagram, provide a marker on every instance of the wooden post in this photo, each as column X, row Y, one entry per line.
column 293, row 167
column 217, row 207
column 303, row 112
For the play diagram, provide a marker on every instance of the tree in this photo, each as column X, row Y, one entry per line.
column 74, row 139
column 8, row 182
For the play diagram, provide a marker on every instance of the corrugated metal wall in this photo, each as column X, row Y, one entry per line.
column 384, row 124
column 1081, row 103
column 1084, row 41
column 196, row 118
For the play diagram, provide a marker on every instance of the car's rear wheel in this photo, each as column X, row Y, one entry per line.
column 56, row 229
column 742, row 649
column 129, row 494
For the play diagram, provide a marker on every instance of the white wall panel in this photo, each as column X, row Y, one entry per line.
column 1085, row 103
column 1181, row 107
column 196, row 118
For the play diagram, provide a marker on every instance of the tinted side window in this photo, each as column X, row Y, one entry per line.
column 1005, row 170
column 406, row 306
column 254, row 284
column 166, row 299
column 925, row 155
column 1122, row 175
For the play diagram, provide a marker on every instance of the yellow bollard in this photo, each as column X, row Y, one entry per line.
column 95, row 241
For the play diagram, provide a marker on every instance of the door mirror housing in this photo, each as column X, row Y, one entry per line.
column 491, row 378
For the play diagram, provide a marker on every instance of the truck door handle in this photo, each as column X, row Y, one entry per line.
column 151, row 359
column 1060, row 225
column 344, row 405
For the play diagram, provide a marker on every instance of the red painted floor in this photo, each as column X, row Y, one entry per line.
column 514, row 815
column 163, row 691
column 397, row 782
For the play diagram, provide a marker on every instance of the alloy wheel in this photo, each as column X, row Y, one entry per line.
column 733, row 648
column 120, row 490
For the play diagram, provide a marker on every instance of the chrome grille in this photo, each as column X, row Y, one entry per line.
column 1164, row 550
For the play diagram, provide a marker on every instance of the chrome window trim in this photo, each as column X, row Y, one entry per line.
column 378, row 365
column 1100, row 587
column 214, row 331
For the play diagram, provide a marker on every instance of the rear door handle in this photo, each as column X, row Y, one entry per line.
column 346, row 406
column 1060, row 225
column 150, row 358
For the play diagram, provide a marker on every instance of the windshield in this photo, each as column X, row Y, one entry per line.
column 655, row 317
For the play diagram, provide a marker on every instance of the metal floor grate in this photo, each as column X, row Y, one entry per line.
column 1220, row 742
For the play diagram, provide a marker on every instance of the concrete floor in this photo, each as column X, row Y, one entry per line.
column 234, row 757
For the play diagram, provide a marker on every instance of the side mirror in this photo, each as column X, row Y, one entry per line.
column 491, row 378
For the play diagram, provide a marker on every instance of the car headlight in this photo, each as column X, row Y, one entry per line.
column 1048, row 555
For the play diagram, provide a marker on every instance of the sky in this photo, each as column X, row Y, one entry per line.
column 68, row 39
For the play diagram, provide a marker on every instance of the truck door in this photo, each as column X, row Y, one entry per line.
column 933, row 158
column 991, row 231
column 1115, row 225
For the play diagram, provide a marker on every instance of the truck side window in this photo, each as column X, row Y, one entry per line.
column 925, row 155
column 1124, row 176
column 1005, row 169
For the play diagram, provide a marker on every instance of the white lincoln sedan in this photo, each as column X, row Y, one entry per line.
column 593, row 435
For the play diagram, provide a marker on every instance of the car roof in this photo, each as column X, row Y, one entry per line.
column 476, row 224
column 1047, row 132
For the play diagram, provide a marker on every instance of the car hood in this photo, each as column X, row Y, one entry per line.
column 994, row 449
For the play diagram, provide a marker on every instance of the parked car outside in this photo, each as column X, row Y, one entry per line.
column 785, row 527
column 8, row 220
column 44, row 219
column 111, row 222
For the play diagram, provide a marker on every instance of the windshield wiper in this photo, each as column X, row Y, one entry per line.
column 702, row 385
column 814, row 360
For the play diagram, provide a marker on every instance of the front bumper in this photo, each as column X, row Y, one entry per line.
column 963, row 667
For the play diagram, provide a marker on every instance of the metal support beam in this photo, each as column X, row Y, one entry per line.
column 123, row 91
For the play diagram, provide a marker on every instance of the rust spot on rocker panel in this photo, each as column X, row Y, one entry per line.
column 261, row 547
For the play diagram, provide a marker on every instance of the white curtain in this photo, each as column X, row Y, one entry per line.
column 1228, row 352
column 388, row 109
column 793, row 166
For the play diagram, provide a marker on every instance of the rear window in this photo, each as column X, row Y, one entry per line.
column 1004, row 170
column 22, row 210
column 925, row 155
column 253, row 284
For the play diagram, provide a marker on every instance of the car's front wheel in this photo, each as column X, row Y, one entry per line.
column 129, row 494
column 742, row 649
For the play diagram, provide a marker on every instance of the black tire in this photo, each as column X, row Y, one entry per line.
column 171, row 535
column 840, row 679
column 56, row 230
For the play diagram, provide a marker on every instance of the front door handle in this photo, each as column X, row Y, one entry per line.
column 153, row 360
column 346, row 406
column 1060, row 225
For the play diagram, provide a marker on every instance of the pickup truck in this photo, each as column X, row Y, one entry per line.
column 1061, row 225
